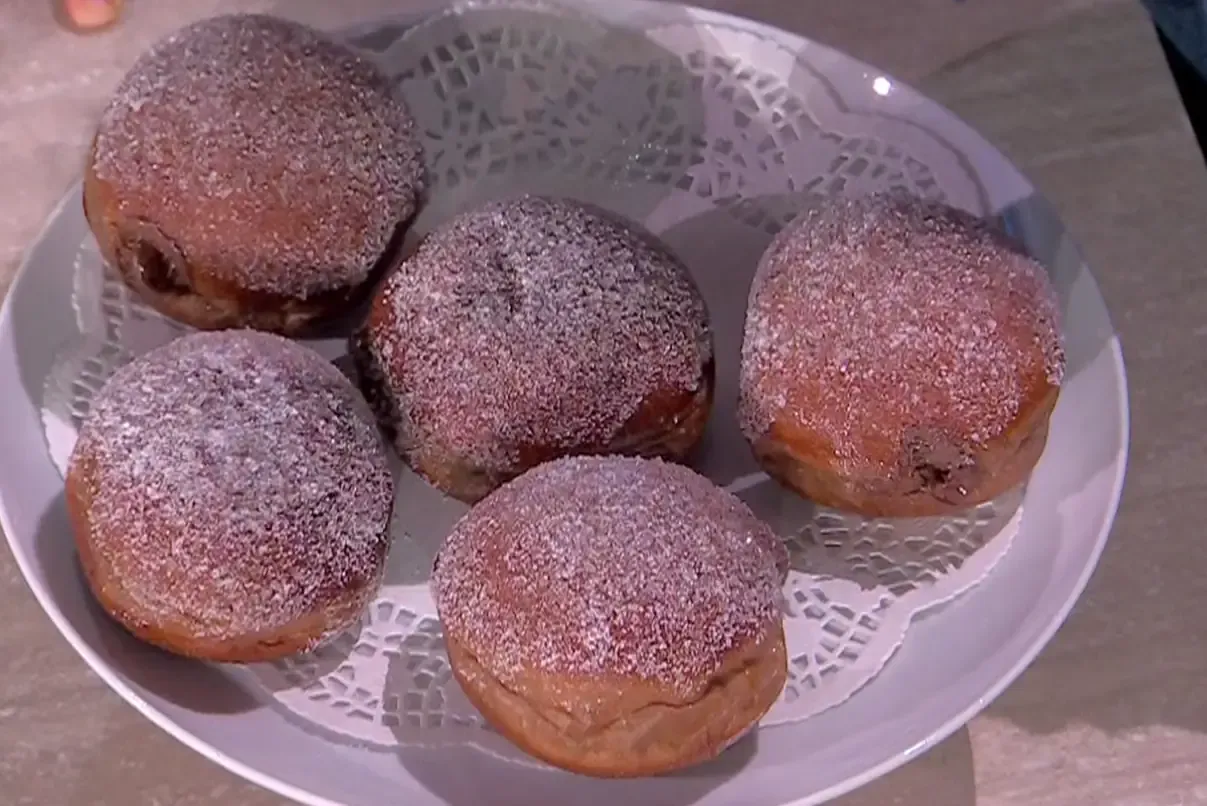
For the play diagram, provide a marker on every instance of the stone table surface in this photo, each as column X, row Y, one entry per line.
column 1075, row 91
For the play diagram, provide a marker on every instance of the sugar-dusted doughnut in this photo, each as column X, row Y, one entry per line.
column 230, row 495
column 252, row 172
column 614, row 616
column 901, row 358
column 533, row 328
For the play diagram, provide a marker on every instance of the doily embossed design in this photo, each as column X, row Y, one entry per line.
column 712, row 137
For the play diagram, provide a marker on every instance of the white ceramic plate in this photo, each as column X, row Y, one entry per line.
column 767, row 121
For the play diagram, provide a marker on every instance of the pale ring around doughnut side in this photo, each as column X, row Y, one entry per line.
column 648, row 730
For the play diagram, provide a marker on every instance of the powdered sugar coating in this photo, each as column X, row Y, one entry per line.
column 535, row 321
column 888, row 315
column 239, row 483
column 593, row 567
column 277, row 158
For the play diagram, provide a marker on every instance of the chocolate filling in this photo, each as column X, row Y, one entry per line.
column 369, row 376
column 939, row 467
column 145, row 253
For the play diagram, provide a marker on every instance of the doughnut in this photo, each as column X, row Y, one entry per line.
column 533, row 328
column 249, row 172
column 901, row 358
column 614, row 616
column 230, row 495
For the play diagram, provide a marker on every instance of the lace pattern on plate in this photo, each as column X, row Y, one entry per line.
column 713, row 136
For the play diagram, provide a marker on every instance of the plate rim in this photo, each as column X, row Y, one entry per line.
column 893, row 760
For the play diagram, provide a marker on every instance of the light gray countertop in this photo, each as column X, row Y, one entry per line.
column 1076, row 92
